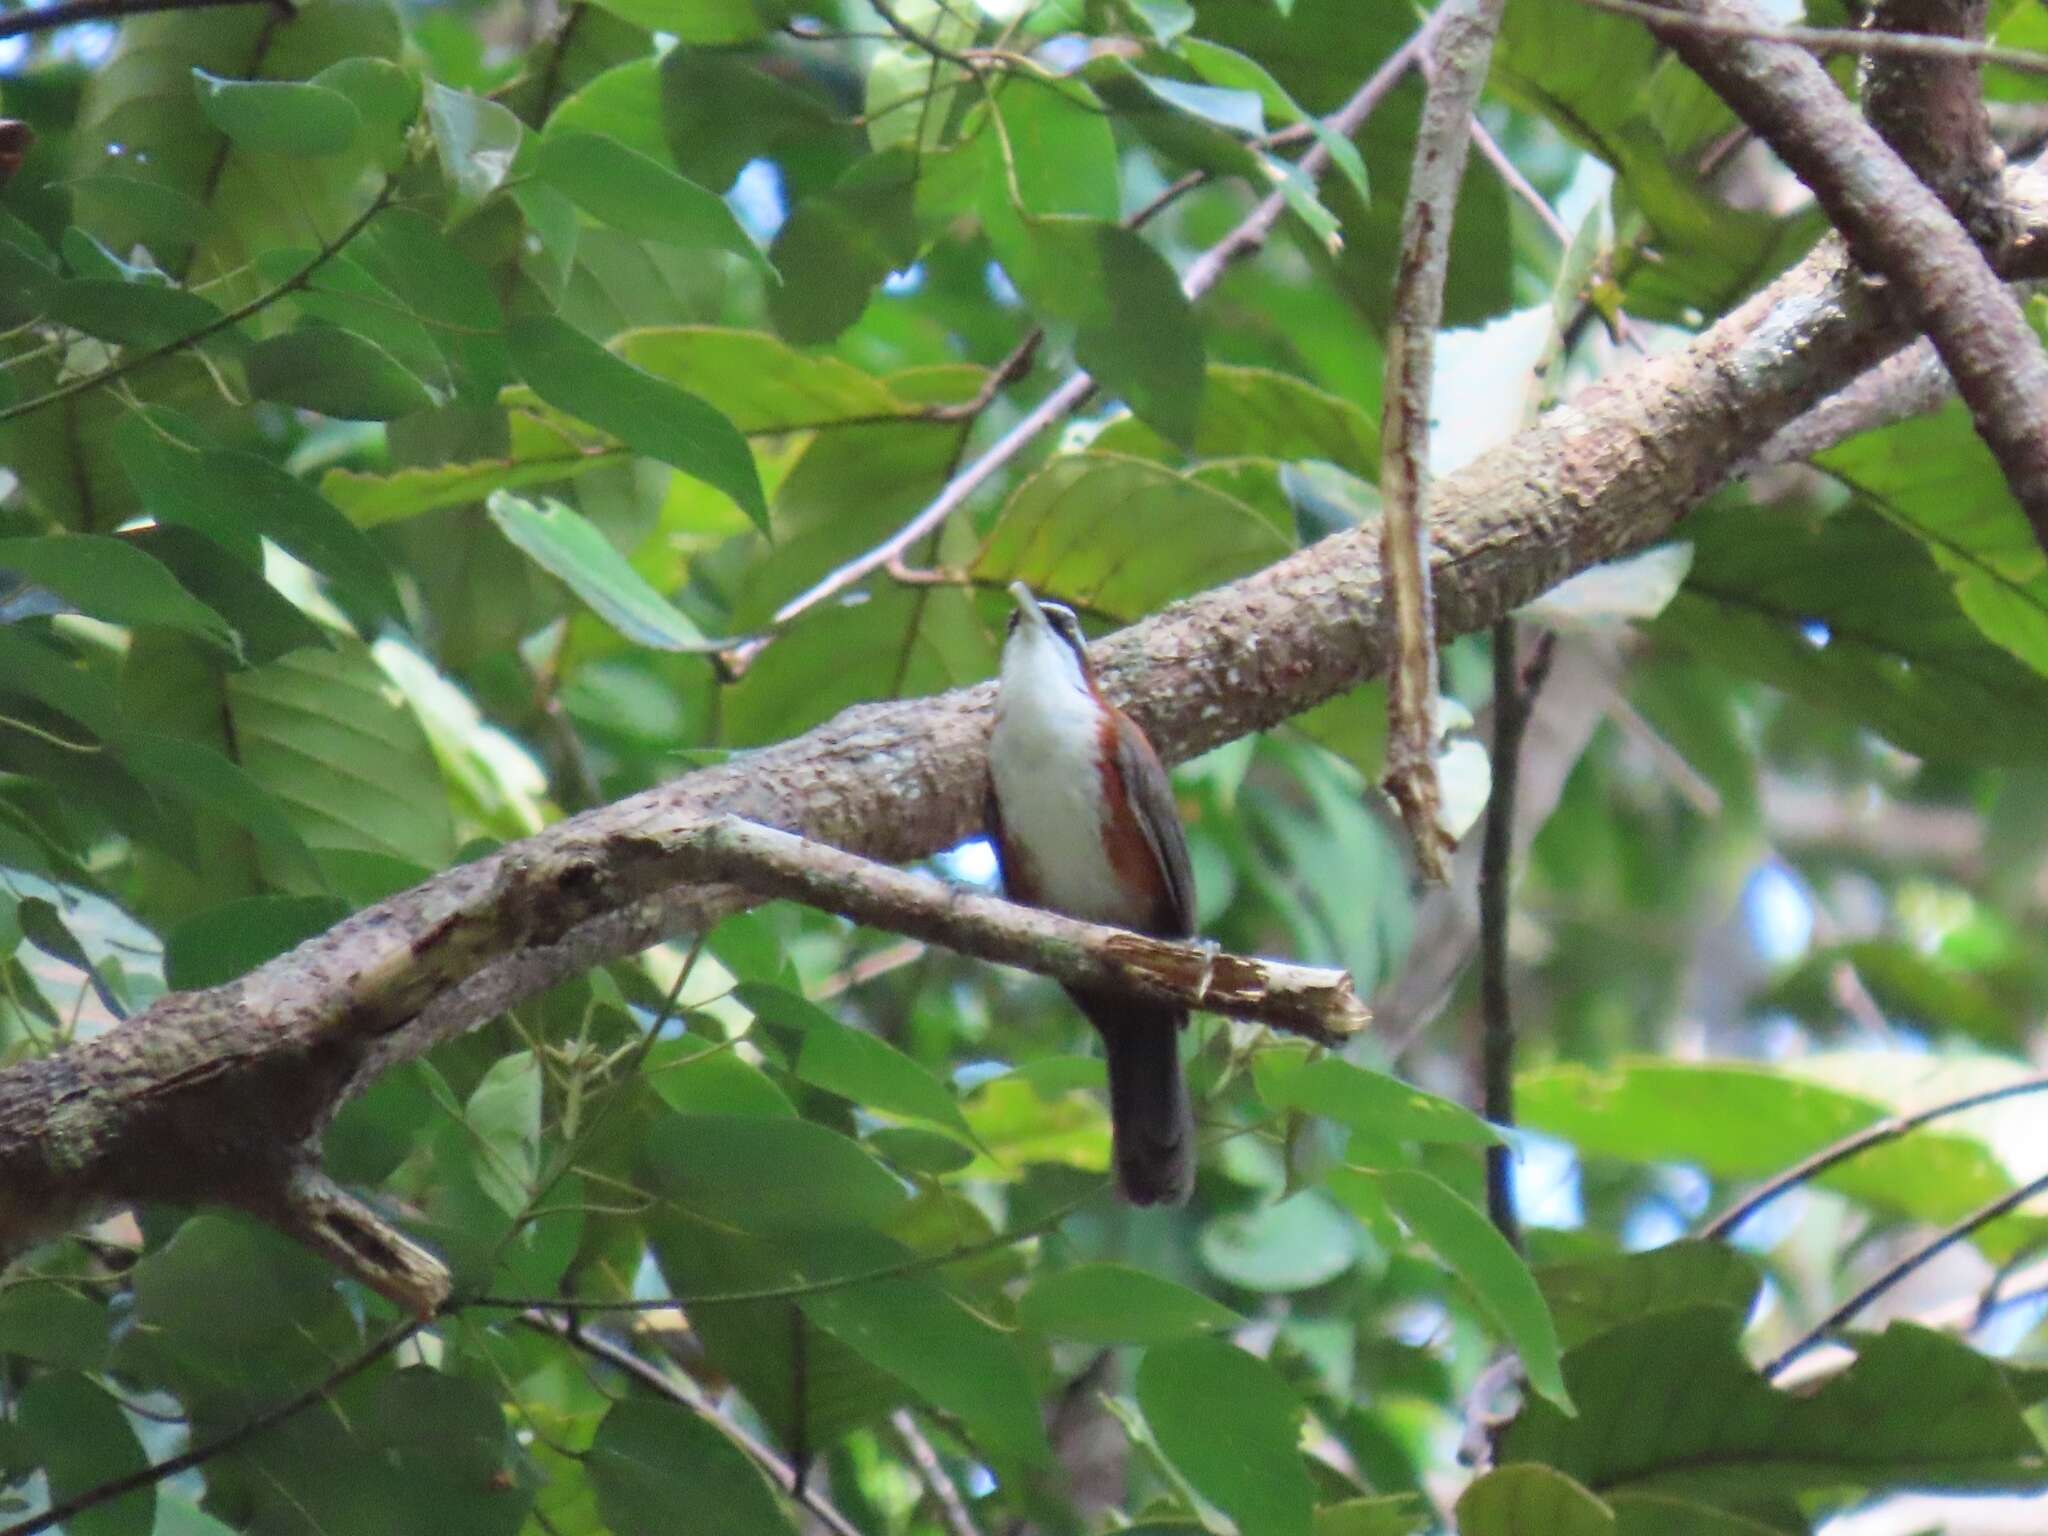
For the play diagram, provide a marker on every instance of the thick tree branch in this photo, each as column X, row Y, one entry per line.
column 1932, row 112
column 1463, row 47
column 1896, row 226
column 213, row 1095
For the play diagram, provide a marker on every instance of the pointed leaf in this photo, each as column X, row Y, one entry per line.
column 335, row 372
column 1115, row 1304
column 658, row 1466
column 1231, row 1426
column 112, row 580
column 277, row 117
column 570, row 547
column 640, row 196
column 1464, row 1239
column 574, row 374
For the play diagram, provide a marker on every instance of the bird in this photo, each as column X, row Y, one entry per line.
column 1083, row 820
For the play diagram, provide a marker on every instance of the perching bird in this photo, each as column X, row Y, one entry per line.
column 1084, row 823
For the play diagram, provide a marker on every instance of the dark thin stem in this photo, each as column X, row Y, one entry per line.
column 233, row 317
column 157, row 1471
column 1947, row 1238
column 657, row 1381
column 1888, row 1129
column 1514, row 698
column 50, row 17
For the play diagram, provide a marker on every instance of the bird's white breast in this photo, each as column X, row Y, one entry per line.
column 1044, row 757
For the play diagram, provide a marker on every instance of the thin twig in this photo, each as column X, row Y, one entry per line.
column 1456, row 77
column 1514, row 700
column 1837, row 1153
column 233, row 317
column 1835, row 40
column 660, row 1383
column 50, row 17
column 1947, row 1238
column 157, row 1471
column 945, row 1492
column 1250, row 234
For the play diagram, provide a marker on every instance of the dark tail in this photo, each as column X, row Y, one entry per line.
column 1153, row 1127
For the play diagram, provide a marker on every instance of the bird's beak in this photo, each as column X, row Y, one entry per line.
column 1027, row 605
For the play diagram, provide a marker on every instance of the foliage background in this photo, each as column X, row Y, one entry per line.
column 343, row 549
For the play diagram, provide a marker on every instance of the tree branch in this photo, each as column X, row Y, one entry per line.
column 1895, row 225
column 210, row 1096
column 50, row 17
column 1514, row 699
column 1871, row 42
column 1931, row 110
column 1462, row 51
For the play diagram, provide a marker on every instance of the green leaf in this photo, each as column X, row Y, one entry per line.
column 837, row 246
column 327, row 734
column 1058, row 149
column 1258, row 412
column 81, row 1439
column 761, row 382
column 504, row 1116
column 574, row 374
column 1122, row 536
column 769, row 1174
column 386, row 98
column 134, row 314
column 447, row 1443
column 640, row 196
column 1114, row 1304
column 1734, row 1120
column 1399, row 1514
column 1134, row 328
column 335, row 372
column 1234, row 110
column 1371, row 1102
column 1917, row 1409
column 1231, row 1426
column 1847, row 612
column 111, row 580
column 1528, row 1500
column 477, row 140
column 275, row 117
column 852, row 1063
column 945, row 1353
column 571, row 548
column 202, row 777
column 658, row 1466
column 1587, row 1299
column 707, row 22
column 1465, row 1240
column 1934, row 477
column 231, row 496
column 720, row 111
column 1300, row 1243
column 44, row 927
column 47, row 1321
column 701, row 1079
column 232, row 939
